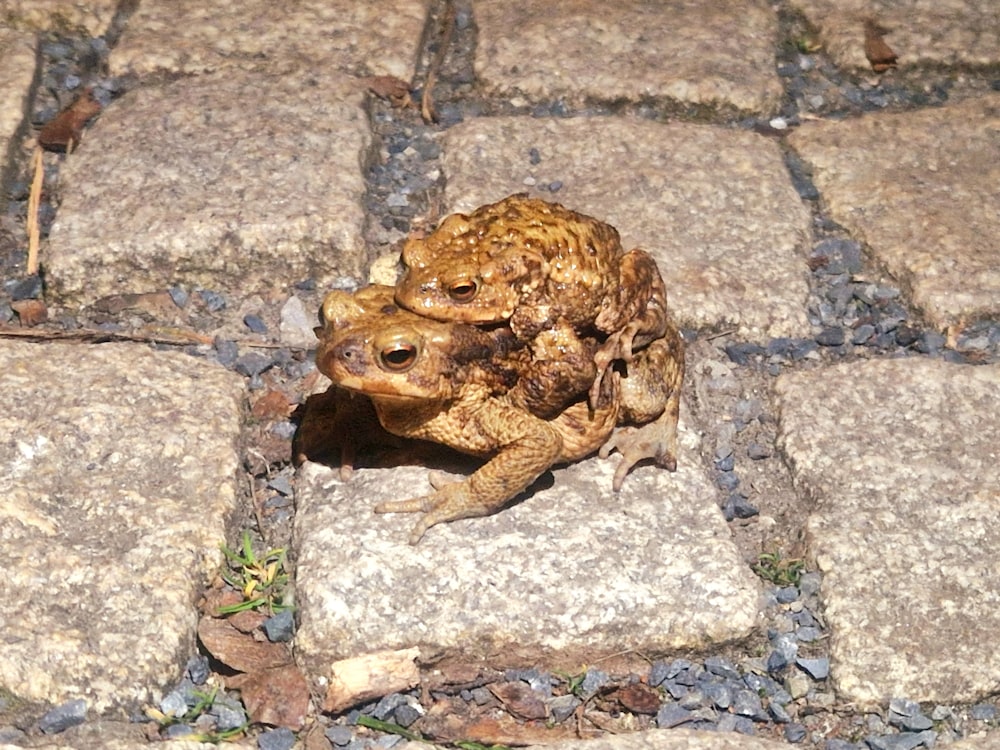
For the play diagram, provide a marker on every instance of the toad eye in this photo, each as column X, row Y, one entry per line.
column 398, row 357
column 463, row 291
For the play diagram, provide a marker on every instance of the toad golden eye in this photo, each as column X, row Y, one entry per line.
column 398, row 357
column 463, row 291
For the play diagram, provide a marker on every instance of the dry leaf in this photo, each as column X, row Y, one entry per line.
column 62, row 132
column 279, row 696
column 639, row 698
column 879, row 54
column 395, row 90
column 451, row 720
column 272, row 404
column 240, row 651
column 159, row 305
column 30, row 312
column 520, row 700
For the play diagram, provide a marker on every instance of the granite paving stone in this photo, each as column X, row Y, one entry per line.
column 715, row 207
column 922, row 191
column 112, row 519
column 571, row 574
column 17, row 50
column 692, row 53
column 94, row 17
column 948, row 32
column 186, row 183
column 379, row 37
column 900, row 459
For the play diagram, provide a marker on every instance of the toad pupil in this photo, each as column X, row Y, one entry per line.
column 399, row 357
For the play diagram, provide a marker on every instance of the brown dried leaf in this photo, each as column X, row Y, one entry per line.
column 272, row 404
column 520, row 700
column 879, row 54
column 639, row 698
column 62, row 132
column 278, row 696
column 159, row 305
column 30, row 312
column 391, row 88
column 240, row 651
column 247, row 621
column 451, row 720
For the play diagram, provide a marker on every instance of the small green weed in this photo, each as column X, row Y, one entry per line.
column 206, row 699
column 772, row 567
column 262, row 580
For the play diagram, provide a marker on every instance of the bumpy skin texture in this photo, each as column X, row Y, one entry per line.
column 557, row 276
column 449, row 383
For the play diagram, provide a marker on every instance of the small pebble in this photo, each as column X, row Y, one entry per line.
column 228, row 712
column 787, row 594
column 64, row 716
column 563, row 706
column 818, row 669
column 281, row 484
column 276, row 739
column 756, row 451
column 672, row 715
column 795, row 732
column 252, row 363
column 983, row 712
column 255, row 323
column 179, row 296
column 213, row 300
column 593, row 681
column 198, row 669
column 727, row 480
column 830, row 337
column 737, row 506
column 280, row 628
column 339, row 735
column 722, row 667
column 808, row 634
column 658, row 673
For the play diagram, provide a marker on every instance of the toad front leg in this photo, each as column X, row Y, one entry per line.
column 524, row 447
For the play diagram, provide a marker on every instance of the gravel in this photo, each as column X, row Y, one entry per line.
column 64, row 716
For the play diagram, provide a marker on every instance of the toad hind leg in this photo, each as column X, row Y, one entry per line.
column 650, row 396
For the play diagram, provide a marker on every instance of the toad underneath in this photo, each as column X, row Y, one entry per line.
column 448, row 383
column 456, row 385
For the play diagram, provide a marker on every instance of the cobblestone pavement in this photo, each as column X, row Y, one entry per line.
column 828, row 233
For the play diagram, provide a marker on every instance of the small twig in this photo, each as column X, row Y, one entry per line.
column 173, row 337
column 720, row 334
column 34, row 199
column 426, row 98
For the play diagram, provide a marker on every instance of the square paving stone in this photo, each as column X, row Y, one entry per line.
column 901, row 461
column 118, row 471
column 922, row 190
column 17, row 50
column 715, row 55
column 949, row 32
column 376, row 37
column 715, row 207
column 572, row 574
column 238, row 182
column 92, row 17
